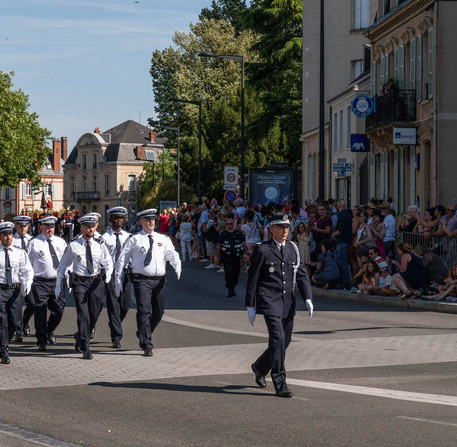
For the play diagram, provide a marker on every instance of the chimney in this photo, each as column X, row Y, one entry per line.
column 97, row 130
column 152, row 136
column 63, row 148
column 56, row 156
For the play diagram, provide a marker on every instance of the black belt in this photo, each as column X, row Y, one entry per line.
column 42, row 279
column 140, row 276
column 15, row 285
column 88, row 278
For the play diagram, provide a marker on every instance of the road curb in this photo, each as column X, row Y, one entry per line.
column 386, row 301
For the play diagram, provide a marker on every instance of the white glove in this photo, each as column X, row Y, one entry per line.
column 178, row 273
column 251, row 315
column 118, row 288
column 58, row 289
column 107, row 279
column 310, row 307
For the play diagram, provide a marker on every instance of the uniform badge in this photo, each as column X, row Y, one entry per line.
column 142, row 249
column 112, row 248
column 159, row 244
column 41, row 253
column 271, row 269
column 78, row 258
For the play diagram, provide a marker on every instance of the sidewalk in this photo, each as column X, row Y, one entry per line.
column 386, row 301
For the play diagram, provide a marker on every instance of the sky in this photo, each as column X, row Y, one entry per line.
column 85, row 63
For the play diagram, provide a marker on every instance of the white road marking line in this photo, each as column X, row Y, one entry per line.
column 32, row 437
column 436, row 399
column 450, row 424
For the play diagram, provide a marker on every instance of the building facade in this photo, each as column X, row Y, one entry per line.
column 105, row 169
column 413, row 72
column 344, row 61
column 25, row 197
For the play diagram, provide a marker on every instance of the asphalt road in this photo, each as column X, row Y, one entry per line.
column 361, row 376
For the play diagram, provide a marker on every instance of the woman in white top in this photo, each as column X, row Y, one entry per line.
column 251, row 230
column 185, row 235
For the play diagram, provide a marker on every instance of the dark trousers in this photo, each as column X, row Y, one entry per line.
column 28, row 313
column 273, row 358
column 10, row 315
column 42, row 294
column 232, row 268
column 88, row 296
column 150, row 297
column 117, row 307
column 342, row 257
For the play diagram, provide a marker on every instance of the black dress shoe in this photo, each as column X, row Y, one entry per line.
column 42, row 348
column 116, row 345
column 5, row 360
column 92, row 333
column 230, row 293
column 18, row 338
column 51, row 338
column 87, row 355
column 148, row 351
column 259, row 378
column 285, row 392
column 26, row 330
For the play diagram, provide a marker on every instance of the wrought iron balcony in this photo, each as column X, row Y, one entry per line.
column 88, row 196
column 396, row 106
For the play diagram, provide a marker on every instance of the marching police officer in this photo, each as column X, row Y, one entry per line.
column 87, row 257
column 275, row 267
column 148, row 252
column 114, row 239
column 45, row 252
column 21, row 240
column 16, row 275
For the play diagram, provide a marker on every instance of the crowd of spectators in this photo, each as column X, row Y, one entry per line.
column 366, row 250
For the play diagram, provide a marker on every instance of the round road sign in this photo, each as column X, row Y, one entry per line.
column 231, row 177
column 230, row 196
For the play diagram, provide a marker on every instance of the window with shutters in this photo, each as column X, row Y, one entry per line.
column 28, row 190
column 431, row 42
column 73, row 185
column 335, row 131
column 348, row 126
column 419, row 68
column 84, row 163
column 107, row 184
column 361, row 13
column 412, row 64
column 374, row 87
column 401, row 67
column 384, row 69
column 47, row 189
column 94, row 161
column 341, row 130
column 131, row 182
column 84, row 183
column 94, row 183
column 357, row 68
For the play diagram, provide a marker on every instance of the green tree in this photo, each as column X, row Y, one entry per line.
column 23, row 143
column 231, row 11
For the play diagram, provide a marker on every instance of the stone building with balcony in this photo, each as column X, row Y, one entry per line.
column 413, row 45
column 105, row 169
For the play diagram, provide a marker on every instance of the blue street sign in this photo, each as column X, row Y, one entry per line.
column 360, row 142
column 342, row 167
column 362, row 106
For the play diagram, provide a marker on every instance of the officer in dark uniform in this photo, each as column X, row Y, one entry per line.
column 86, row 257
column 231, row 246
column 16, row 276
column 45, row 252
column 275, row 267
column 67, row 224
column 147, row 252
column 117, row 306
column 21, row 240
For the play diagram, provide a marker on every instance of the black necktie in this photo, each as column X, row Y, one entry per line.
column 23, row 243
column 89, row 260
column 281, row 248
column 118, row 247
column 55, row 259
column 9, row 274
column 147, row 259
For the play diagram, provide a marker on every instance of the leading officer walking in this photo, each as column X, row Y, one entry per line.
column 87, row 257
column 45, row 252
column 148, row 252
column 275, row 266
column 117, row 306
column 16, row 275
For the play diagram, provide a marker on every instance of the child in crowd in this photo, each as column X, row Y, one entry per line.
column 370, row 277
column 385, row 287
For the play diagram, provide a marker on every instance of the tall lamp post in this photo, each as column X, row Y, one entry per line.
column 240, row 59
column 199, row 104
column 176, row 129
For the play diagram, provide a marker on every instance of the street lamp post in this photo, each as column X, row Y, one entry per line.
column 199, row 104
column 240, row 59
column 176, row 129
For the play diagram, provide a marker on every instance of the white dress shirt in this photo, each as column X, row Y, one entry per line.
column 40, row 255
column 109, row 238
column 75, row 257
column 17, row 241
column 21, row 269
column 135, row 251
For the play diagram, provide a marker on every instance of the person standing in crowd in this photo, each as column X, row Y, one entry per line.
column 343, row 238
column 16, row 276
column 86, row 257
column 274, row 270
column 322, row 228
column 252, row 231
column 117, row 306
column 21, row 239
column 391, row 227
column 185, row 236
column 67, row 224
column 45, row 252
column 230, row 248
column 147, row 252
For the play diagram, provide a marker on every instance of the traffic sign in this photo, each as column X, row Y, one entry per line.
column 230, row 175
column 230, row 196
column 231, row 187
